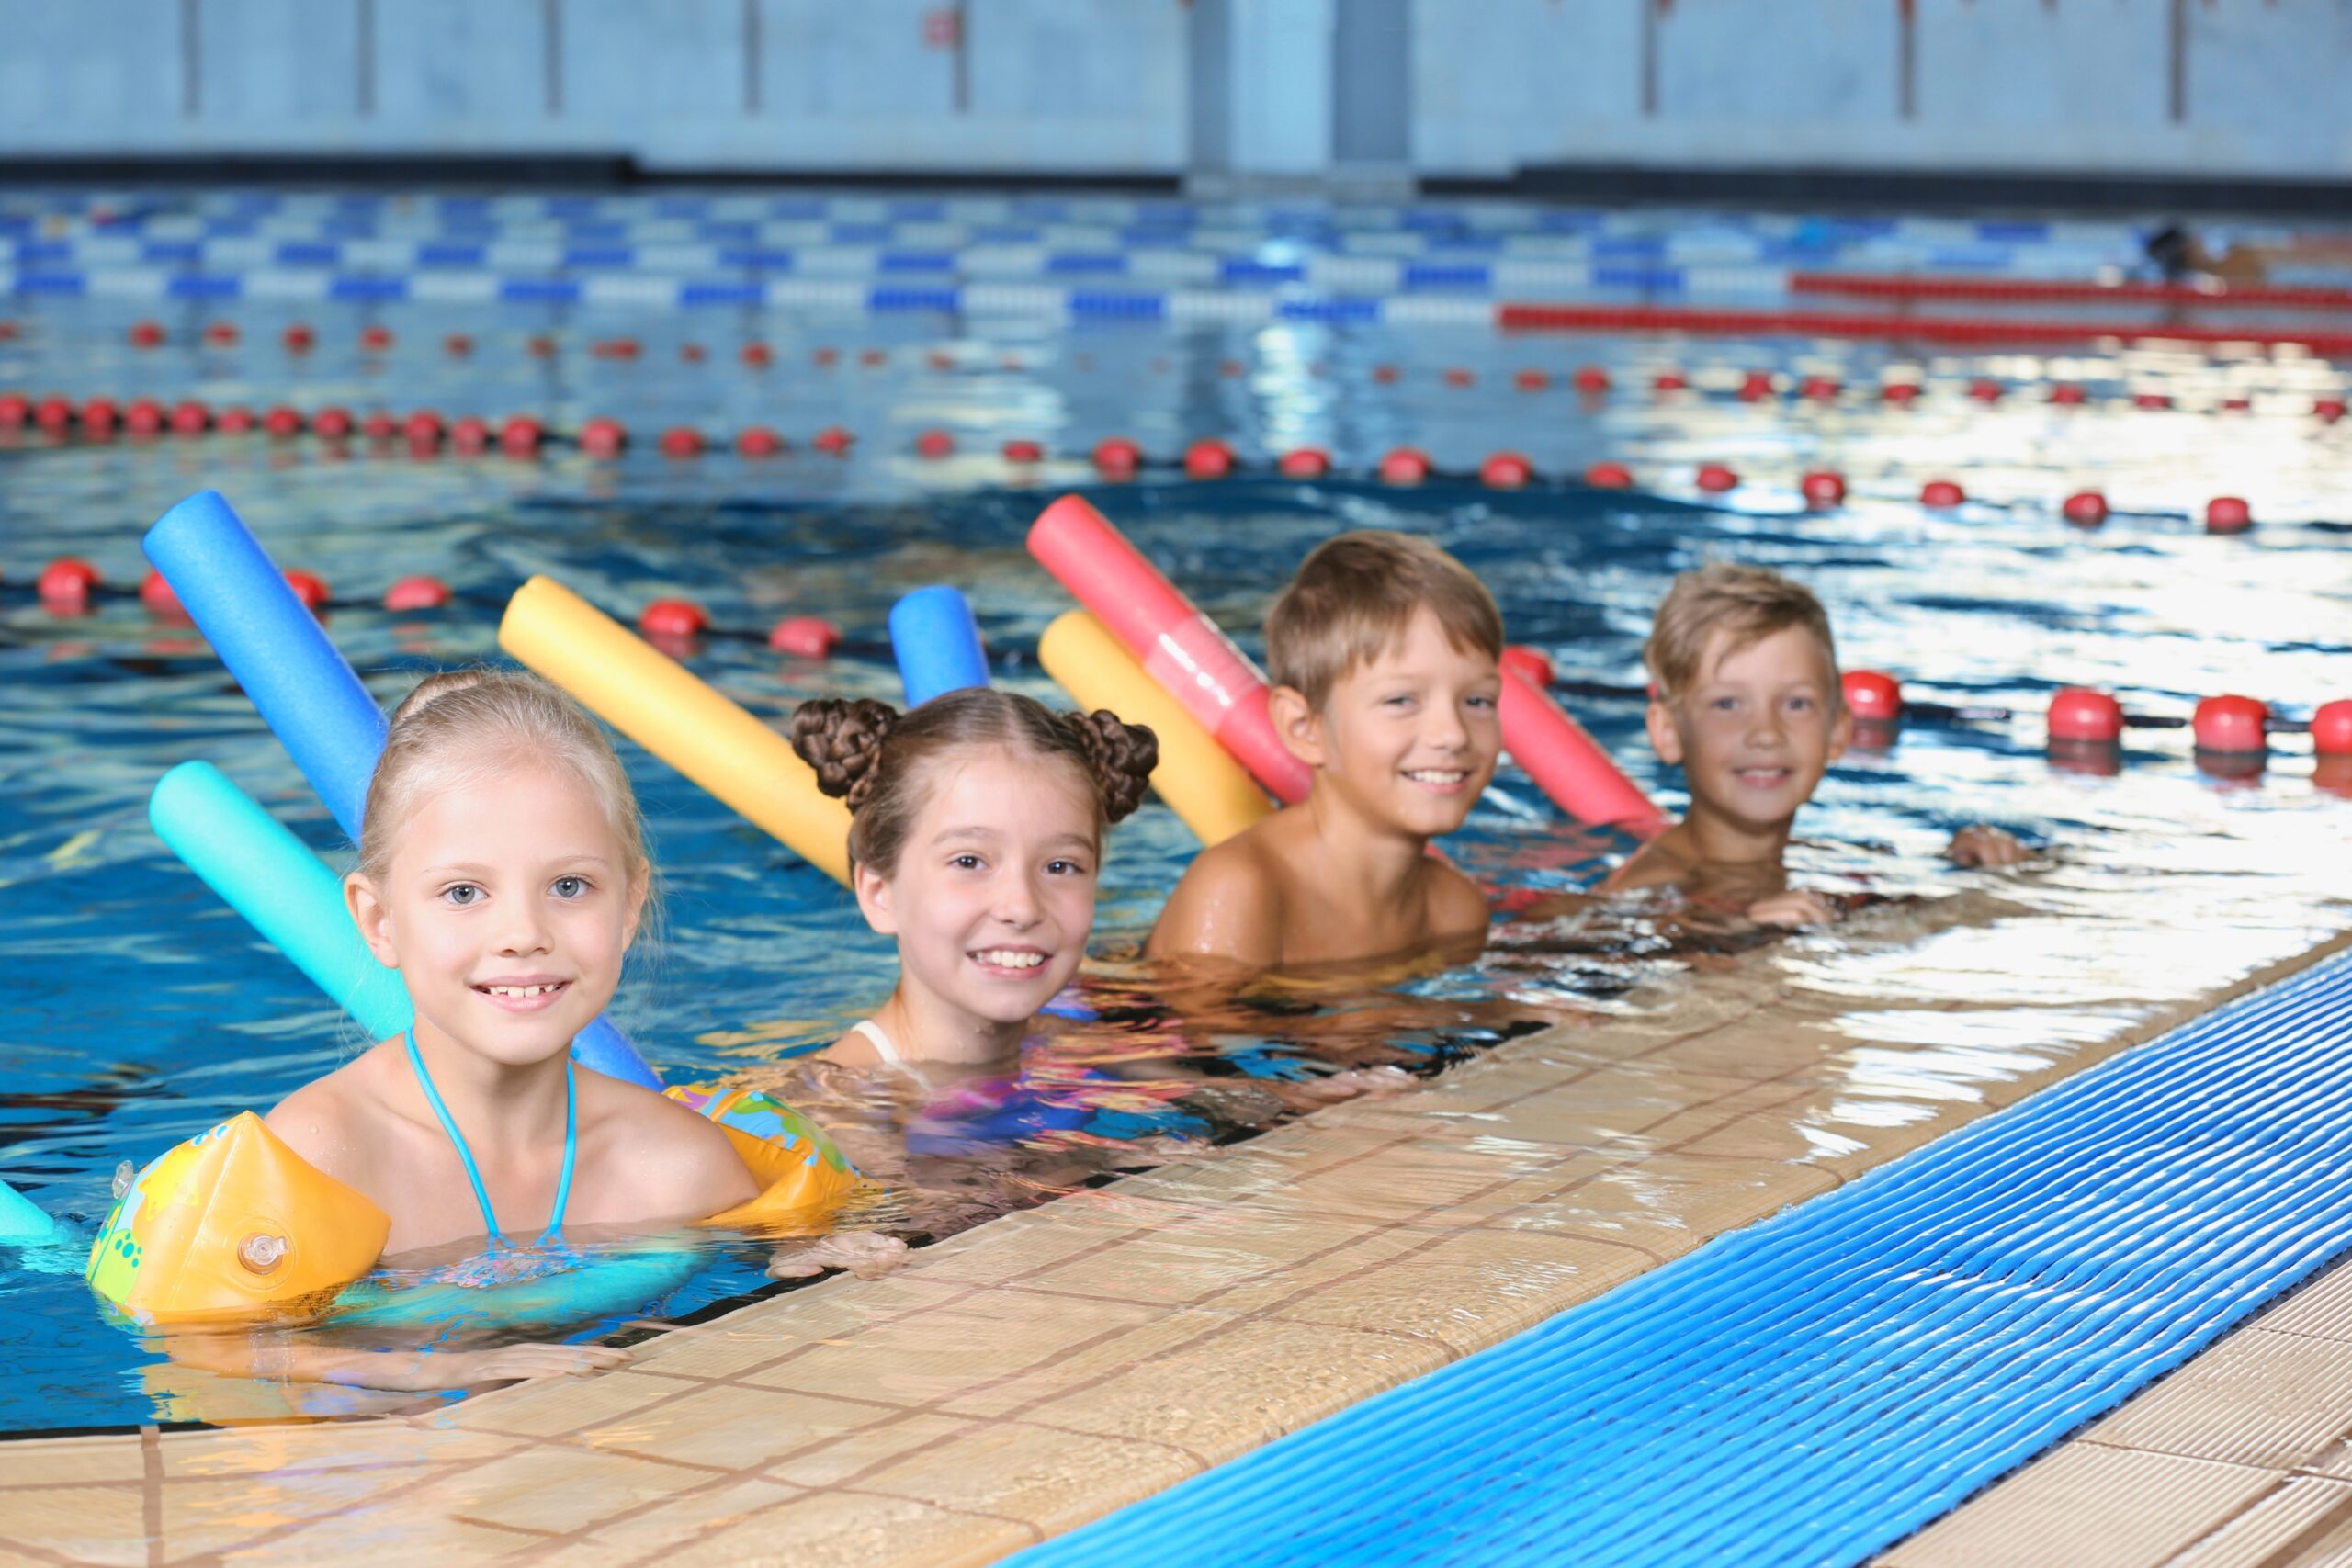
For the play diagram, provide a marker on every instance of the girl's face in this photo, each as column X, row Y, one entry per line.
column 506, row 908
column 993, row 895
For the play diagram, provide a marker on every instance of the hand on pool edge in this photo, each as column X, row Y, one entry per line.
column 1983, row 845
column 1796, row 907
column 869, row 1254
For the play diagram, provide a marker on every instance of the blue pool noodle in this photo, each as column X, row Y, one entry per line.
column 306, row 691
column 937, row 644
column 21, row 1220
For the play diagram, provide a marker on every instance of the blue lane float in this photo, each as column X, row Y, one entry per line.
column 936, row 641
column 305, row 690
column 1819, row 1386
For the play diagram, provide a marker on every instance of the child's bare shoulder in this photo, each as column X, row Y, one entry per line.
column 333, row 1122
column 1230, row 903
column 678, row 1158
column 1456, row 902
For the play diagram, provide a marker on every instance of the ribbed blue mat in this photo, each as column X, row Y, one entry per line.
column 1814, row 1388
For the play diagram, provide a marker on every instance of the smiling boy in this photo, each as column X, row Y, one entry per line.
column 1383, row 652
column 1746, row 697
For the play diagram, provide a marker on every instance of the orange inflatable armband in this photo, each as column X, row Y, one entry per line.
column 230, row 1222
column 801, row 1174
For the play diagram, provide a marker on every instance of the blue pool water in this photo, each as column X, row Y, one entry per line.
column 135, row 1010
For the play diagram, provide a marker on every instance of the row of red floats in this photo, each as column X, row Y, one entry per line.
column 1755, row 386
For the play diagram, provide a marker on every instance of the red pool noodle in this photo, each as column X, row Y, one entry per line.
column 1179, row 646
column 1569, row 765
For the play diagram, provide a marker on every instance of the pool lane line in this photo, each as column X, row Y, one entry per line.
column 1818, row 1386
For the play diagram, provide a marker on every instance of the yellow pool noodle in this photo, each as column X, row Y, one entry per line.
column 674, row 714
column 1198, row 778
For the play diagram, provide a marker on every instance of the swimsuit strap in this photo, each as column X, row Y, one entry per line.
column 466, row 1155
column 882, row 1045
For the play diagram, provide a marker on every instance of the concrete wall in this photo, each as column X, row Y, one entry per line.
column 1255, row 88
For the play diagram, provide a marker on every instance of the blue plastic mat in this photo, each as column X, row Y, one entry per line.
column 1817, row 1387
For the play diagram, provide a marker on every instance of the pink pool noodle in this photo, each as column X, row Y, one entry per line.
column 1568, row 765
column 1178, row 646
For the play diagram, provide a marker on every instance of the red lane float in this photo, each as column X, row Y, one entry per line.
column 1737, row 322
column 681, row 441
column 2232, row 723
column 1117, row 457
column 807, row 635
column 1506, row 470
column 2085, row 509
column 672, row 618
column 1304, row 463
column 1404, row 466
column 2067, row 394
column 416, row 593
column 2228, row 514
column 1591, row 378
column 1942, row 494
column 1715, row 477
column 934, row 444
column 1178, row 646
column 310, row 589
column 2085, row 717
column 1872, row 697
column 1567, row 764
column 1019, row 450
column 67, row 583
column 1208, row 458
column 1823, row 488
column 1609, row 476
column 833, row 441
column 758, row 441
column 2332, row 728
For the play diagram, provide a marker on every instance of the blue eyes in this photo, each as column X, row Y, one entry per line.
column 466, row 895
column 569, row 887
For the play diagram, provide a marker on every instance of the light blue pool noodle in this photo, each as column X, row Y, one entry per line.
column 274, row 648
column 936, row 643
column 290, row 896
column 23, row 1220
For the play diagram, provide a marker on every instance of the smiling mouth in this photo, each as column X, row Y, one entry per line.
column 529, row 998
column 1762, row 778
column 1008, row 960
column 1445, row 780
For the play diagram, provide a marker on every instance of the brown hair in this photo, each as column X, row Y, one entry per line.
column 462, row 726
column 877, row 759
column 1353, row 599
column 1746, row 603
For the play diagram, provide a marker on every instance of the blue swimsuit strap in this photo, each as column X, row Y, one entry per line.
column 466, row 1155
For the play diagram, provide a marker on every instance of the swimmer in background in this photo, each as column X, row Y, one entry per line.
column 502, row 872
column 1383, row 652
column 1747, row 699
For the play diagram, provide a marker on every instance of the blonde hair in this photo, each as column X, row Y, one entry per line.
column 465, row 727
column 1748, row 603
column 1355, row 595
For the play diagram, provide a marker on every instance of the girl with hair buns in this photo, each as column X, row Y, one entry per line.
column 976, row 839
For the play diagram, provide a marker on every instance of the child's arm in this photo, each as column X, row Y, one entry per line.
column 1985, row 845
column 1227, row 907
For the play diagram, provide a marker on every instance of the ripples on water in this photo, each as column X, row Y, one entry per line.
column 135, row 1010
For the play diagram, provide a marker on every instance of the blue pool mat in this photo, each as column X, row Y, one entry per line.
column 1817, row 1387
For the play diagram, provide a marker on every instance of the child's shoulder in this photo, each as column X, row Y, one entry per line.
column 1230, row 901
column 336, row 1121
column 1456, row 902
column 667, row 1146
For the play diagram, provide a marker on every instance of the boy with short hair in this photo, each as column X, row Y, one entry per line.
column 1382, row 654
column 1746, row 697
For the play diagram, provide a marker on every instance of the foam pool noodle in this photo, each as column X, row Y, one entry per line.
column 305, row 690
column 678, row 717
column 22, row 1221
column 936, row 643
column 1198, row 779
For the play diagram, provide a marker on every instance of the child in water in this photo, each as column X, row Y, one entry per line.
column 1383, row 655
column 976, row 838
column 502, row 872
column 1747, row 698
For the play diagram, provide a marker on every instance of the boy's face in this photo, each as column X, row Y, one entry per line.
column 1757, row 729
column 1408, row 739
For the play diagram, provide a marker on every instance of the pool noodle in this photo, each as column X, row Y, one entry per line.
column 1198, row 779
column 273, row 648
column 1179, row 646
column 937, row 644
column 21, row 1219
column 657, row 703
column 268, row 876
column 1569, row 765
column 305, row 690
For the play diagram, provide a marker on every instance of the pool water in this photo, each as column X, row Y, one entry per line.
column 135, row 1010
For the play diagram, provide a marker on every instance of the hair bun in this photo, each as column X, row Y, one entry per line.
column 1121, row 756
column 841, row 738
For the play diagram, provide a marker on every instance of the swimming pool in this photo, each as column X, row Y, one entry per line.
column 134, row 1011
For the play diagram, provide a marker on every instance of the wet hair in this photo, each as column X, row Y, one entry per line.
column 463, row 727
column 1355, row 595
column 881, row 761
column 1746, row 603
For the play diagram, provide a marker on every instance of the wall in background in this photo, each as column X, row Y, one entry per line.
column 1250, row 89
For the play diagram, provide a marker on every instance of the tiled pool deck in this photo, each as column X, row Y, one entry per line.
column 1045, row 1368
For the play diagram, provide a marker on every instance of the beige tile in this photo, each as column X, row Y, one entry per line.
column 1055, row 1479
column 1024, row 1243
column 730, row 1428
column 760, row 1332
column 1471, row 1290
column 258, row 1450
column 551, row 1490
column 2086, row 1507
column 1083, row 1366
column 387, row 1536
column 667, row 1529
column 87, row 1524
column 552, row 1406
column 843, row 1529
column 204, row 1517
column 1626, row 1101
column 56, row 1461
column 934, row 1355
column 1198, row 1256
column 2257, row 1397
column 1221, row 1393
column 2323, row 1308
column 844, row 1459
column 1664, row 1205
column 2297, row 1513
